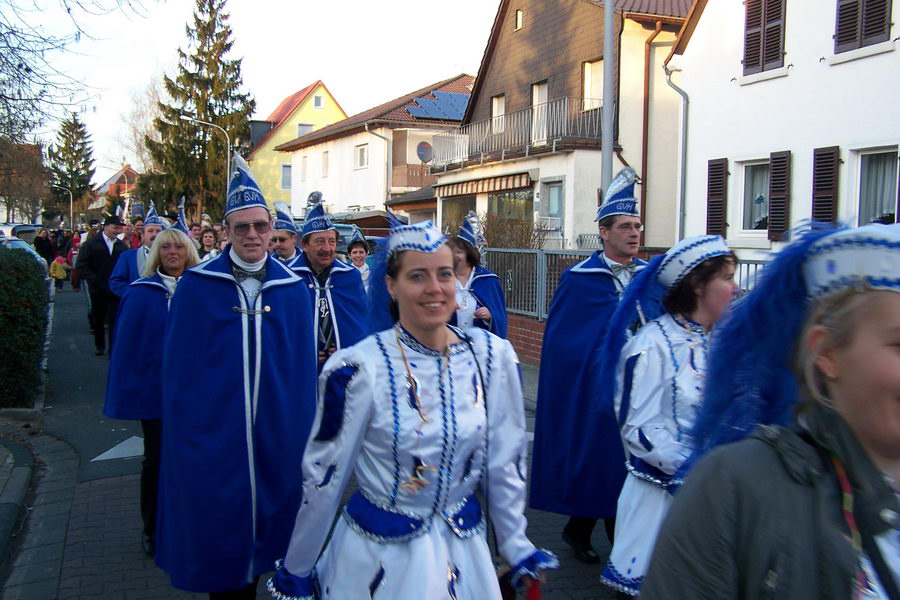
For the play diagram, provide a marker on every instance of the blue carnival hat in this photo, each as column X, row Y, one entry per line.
column 749, row 378
column 316, row 218
column 181, row 222
column 243, row 192
column 421, row 237
column 643, row 298
column 620, row 198
column 153, row 218
column 357, row 236
column 471, row 230
column 284, row 220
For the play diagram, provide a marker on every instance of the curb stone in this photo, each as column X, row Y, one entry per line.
column 12, row 497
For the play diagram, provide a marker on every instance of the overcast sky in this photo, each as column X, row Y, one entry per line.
column 365, row 51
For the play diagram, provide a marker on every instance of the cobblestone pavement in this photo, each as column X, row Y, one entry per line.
column 81, row 534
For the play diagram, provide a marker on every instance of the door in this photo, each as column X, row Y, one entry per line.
column 539, row 113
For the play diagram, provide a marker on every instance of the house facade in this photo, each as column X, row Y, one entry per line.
column 305, row 111
column 792, row 116
column 529, row 146
column 358, row 163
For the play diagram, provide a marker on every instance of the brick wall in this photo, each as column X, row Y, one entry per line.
column 526, row 335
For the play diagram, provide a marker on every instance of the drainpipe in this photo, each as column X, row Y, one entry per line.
column 685, row 103
column 387, row 164
column 645, row 131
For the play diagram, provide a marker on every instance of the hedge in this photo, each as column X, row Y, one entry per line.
column 23, row 322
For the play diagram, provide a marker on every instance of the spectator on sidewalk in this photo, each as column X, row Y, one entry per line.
column 208, row 246
column 133, row 386
column 479, row 297
column 58, row 271
column 96, row 261
column 234, row 424
column 45, row 246
column 131, row 264
column 577, row 461
column 358, row 251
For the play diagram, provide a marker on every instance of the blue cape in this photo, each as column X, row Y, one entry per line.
column 578, row 463
column 124, row 273
column 236, row 416
column 488, row 292
column 347, row 298
column 134, row 383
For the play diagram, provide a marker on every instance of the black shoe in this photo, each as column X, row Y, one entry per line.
column 584, row 552
column 99, row 351
column 148, row 544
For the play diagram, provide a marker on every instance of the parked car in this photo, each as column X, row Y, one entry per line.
column 345, row 232
column 14, row 242
column 23, row 231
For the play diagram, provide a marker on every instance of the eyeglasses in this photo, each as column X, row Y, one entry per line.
column 625, row 227
column 243, row 229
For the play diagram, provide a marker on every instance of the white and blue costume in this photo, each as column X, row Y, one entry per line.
column 131, row 262
column 658, row 390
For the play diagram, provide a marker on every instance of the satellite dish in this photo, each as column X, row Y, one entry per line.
column 424, row 152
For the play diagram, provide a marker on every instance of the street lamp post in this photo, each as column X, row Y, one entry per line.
column 227, row 142
column 71, row 217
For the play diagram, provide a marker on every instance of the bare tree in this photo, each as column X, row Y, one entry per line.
column 139, row 123
column 23, row 180
column 501, row 232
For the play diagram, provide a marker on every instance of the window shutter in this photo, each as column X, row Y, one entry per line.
column 779, row 194
column 716, row 196
column 876, row 21
column 773, row 36
column 825, row 183
column 753, row 33
column 847, row 25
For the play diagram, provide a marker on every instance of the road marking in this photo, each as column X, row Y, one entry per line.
column 130, row 448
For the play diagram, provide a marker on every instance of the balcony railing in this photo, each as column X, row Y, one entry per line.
column 539, row 127
column 414, row 176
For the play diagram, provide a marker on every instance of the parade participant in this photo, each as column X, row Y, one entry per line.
column 335, row 288
column 358, row 251
column 234, row 427
column 807, row 506
column 133, row 386
column 674, row 304
column 479, row 297
column 422, row 415
column 577, row 466
column 284, row 235
column 208, row 245
column 131, row 263
column 96, row 260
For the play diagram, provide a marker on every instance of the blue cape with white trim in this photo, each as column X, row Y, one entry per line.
column 134, row 382
column 488, row 292
column 578, row 463
column 124, row 273
column 235, row 423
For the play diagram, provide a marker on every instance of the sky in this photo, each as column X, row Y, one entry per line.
column 365, row 51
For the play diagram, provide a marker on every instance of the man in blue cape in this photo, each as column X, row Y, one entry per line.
column 284, row 235
column 131, row 262
column 578, row 463
column 236, row 419
column 336, row 292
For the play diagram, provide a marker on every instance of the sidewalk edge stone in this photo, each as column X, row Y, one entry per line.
column 12, row 498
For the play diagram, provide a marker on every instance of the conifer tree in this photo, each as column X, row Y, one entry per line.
column 71, row 165
column 206, row 87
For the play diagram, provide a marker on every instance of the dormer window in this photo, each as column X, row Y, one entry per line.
column 520, row 19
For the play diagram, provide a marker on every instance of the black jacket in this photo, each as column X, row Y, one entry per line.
column 762, row 518
column 95, row 263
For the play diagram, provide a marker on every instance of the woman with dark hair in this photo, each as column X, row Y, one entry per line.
column 208, row 245
column 45, row 246
column 423, row 415
column 674, row 303
column 479, row 296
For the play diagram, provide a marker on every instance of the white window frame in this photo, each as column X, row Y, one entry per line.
column 304, row 163
column 744, row 165
column 858, row 176
column 289, row 168
column 498, row 113
column 325, row 163
column 361, row 156
column 592, row 84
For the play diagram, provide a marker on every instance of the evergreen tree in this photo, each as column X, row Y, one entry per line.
column 206, row 87
column 71, row 166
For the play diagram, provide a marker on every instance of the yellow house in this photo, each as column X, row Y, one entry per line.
column 310, row 109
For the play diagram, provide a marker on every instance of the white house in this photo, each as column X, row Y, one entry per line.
column 792, row 115
column 359, row 162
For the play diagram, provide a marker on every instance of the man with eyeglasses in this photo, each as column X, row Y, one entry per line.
column 577, row 459
column 235, row 421
column 336, row 291
column 284, row 235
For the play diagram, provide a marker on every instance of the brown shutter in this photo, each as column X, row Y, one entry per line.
column 779, row 194
column 773, row 36
column 753, row 34
column 716, row 196
column 876, row 21
column 847, row 25
column 825, row 183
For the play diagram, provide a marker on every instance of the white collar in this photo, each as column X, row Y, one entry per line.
column 251, row 267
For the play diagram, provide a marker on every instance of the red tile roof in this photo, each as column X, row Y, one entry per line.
column 663, row 8
column 393, row 110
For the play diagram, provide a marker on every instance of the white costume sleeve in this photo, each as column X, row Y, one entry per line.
column 648, row 432
column 342, row 413
column 507, row 452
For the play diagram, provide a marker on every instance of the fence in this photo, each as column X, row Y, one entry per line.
column 529, row 277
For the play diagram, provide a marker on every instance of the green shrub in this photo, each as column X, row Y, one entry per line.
column 23, row 321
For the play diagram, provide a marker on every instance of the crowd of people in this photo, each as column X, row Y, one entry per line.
column 733, row 448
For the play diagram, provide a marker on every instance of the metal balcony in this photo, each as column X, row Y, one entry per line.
column 544, row 127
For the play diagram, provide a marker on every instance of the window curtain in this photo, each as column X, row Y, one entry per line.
column 878, row 188
column 756, row 200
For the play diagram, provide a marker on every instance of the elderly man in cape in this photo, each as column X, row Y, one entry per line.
column 234, row 423
column 578, row 464
column 340, row 309
column 131, row 262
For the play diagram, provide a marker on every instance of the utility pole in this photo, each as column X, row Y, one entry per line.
column 608, row 115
